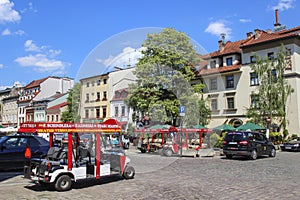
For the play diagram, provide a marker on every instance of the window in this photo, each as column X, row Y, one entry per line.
column 87, row 113
column 104, row 112
column 230, row 102
column 254, row 79
column 88, row 84
column 271, row 55
column 252, row 59
column 230, row 81
column 254, row 99
column 97, row 113
column 56, row 118
column 229, row 61
column 98, row 96
column 214, row 104
column 104, row 81
column 124, row 94
column 117, row 95
column 274, row 76
column 98, row 82
column 123, row 111
column 93, row 83
column 87, row 97
column 213, row 84
column 213, row 64
column 116, row 111
column 104, row 96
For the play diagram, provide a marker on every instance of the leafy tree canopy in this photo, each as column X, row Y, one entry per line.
column 164, row 75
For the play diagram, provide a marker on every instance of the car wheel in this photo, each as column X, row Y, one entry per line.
column 253, row 155
column 273, row 153
column 228, row 156
column 63, row 183
column 143, row 150
column 129, row 172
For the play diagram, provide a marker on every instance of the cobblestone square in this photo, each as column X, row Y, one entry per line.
column 160, row 177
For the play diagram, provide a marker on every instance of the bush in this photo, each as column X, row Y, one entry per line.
column 215, row 140
column 276, row 137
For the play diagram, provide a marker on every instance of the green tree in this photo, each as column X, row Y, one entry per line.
column 72, row 112
column 164, row 75
column 272, row 92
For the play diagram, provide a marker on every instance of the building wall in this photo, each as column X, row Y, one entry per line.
column 90, row 86
column 53, row 85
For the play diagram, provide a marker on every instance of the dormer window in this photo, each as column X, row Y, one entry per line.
column 213, row 64
column 271, row 55
column 229, row 61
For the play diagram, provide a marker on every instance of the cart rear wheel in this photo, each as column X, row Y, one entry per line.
column 168, row 152
column 129, row 172
column 63, row 183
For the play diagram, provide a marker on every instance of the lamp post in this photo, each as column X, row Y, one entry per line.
column 268, row 127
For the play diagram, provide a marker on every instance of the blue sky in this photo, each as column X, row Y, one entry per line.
column 39, row 38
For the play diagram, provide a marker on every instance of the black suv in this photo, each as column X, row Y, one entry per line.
column 250, row 144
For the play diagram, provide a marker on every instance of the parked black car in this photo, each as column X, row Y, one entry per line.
column 250, row 144
column 12, row 150
column 291, row 145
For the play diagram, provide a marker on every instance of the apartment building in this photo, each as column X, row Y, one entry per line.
column 9, row 105
column 230, row 80
column 94, row 95
column 33, row 100
column 99, row 96
column 56, row 107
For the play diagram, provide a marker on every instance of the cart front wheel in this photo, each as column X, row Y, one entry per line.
column 63, row 183
column 129, row 172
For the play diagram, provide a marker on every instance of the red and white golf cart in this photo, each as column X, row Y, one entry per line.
column 75, row 159
column 184, row 142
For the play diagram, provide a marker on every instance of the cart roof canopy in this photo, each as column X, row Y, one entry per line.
column 108, row 126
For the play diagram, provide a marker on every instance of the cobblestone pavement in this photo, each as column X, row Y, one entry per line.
column 178, row 178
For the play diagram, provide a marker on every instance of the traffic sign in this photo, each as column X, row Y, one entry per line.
column 182, row 110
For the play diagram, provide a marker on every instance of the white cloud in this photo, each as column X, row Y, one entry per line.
column 219, row 27
column 44, row 60
column 128, row 56
column 30, row 46
column 6, row 32
column 19, row 32
column 41, row 63
column 1, row 65
column 7, row 13
column 284, row 5
column 245, row 20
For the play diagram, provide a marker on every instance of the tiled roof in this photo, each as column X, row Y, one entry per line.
column 35, row 83
column 228, row 48
column 58, row 106
column 220, row 70
column 271, row 36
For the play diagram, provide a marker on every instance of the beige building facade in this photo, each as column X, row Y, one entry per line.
column 230, row 80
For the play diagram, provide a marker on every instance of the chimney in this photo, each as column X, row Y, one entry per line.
column 249, row 34
column 257, row 33
column 277, row 18
column 277, row 25
column 222, row 42
column 221, row 45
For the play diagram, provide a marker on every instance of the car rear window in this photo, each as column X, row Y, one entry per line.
column 236, row 136
column 42, row 141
